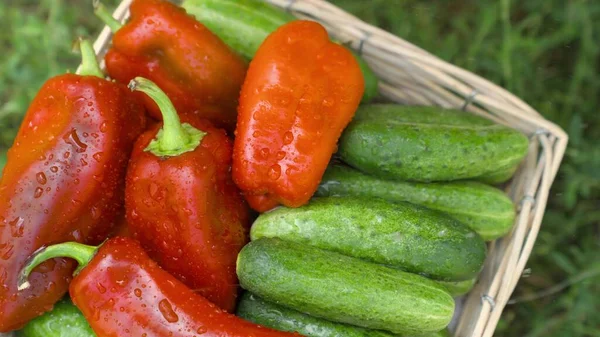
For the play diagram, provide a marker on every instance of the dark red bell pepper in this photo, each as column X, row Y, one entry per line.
column 64, row 181
column 122, row 292
column 182, row 204
column 199, row 72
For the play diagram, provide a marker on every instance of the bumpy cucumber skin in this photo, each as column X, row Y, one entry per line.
column 245, row 24
column 404, row 148
column 241, row 24
column 499, row 177
column 259, row 311
column 65, row 320
column 343, row 289
column 401, row 235
column 458, row 288
column 485, row 209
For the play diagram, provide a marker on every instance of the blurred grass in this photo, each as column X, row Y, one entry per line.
column 545, row 51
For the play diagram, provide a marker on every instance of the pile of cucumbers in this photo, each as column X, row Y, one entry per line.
column 393, row 233
column 397, row 228
column 398, row 225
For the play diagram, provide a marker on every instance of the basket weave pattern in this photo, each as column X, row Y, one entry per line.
column 412, row 76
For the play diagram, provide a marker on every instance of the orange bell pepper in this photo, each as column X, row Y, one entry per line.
column 300, row 92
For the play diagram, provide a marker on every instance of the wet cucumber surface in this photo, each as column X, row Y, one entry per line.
column 485, row 209
column 343, row 289
column 458, row 288
column 259, row 311
column 411, row 143
column 401, row 235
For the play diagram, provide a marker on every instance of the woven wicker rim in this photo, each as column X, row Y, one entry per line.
column 410, row 75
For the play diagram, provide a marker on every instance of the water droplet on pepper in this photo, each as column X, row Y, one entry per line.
column 41, row 178
column 167, row 311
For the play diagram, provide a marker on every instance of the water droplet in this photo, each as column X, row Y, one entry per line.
column 274, row 172
column 167, row 311
column 280, row 155
column 77, row 236
column 16, row 227
column 67, row 154
column 103, row 127
column 137, row 292
column 38, row 192
column 98, row 156
column 54, row 169
column 50, row 286
column 7, row 250
column 264, row 152
column 95, row 213
column 202, row 330
column 153, row 190
column 101, row 288
column 328, row 102
column 288, row 137
column 41, row 178
column 72, row 139
column 83, row 162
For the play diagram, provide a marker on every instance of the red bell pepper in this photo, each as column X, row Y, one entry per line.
column 182, row 204
column 161, row 42
column 300, row 92
column 122, row 292
column 64, row 181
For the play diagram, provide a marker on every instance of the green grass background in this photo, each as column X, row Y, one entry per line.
column 545, row 51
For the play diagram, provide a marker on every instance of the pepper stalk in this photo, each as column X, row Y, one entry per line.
column 81, row 253
column 173, row 138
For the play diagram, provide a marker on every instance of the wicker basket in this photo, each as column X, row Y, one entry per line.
column 410, row 75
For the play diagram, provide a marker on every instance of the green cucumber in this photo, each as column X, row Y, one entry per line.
column 65, row 320
column 343, row 289
column 244, row 24
column 401, row 235
column 254, row 309
column 408, row 143
column 485, row 209
column 458, row 288
column 499, row 177
column 442, row 333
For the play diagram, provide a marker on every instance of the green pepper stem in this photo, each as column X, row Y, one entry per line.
column 103, row 14
column 173, row 138
column 77, row 251
column 89, row 62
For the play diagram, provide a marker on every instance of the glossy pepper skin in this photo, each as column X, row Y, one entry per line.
column 187, row 212
column 122, row 292
column 200, row 73
column 64, row 181
column 300, row 92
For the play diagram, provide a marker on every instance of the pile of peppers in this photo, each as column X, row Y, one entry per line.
column 134, row 190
